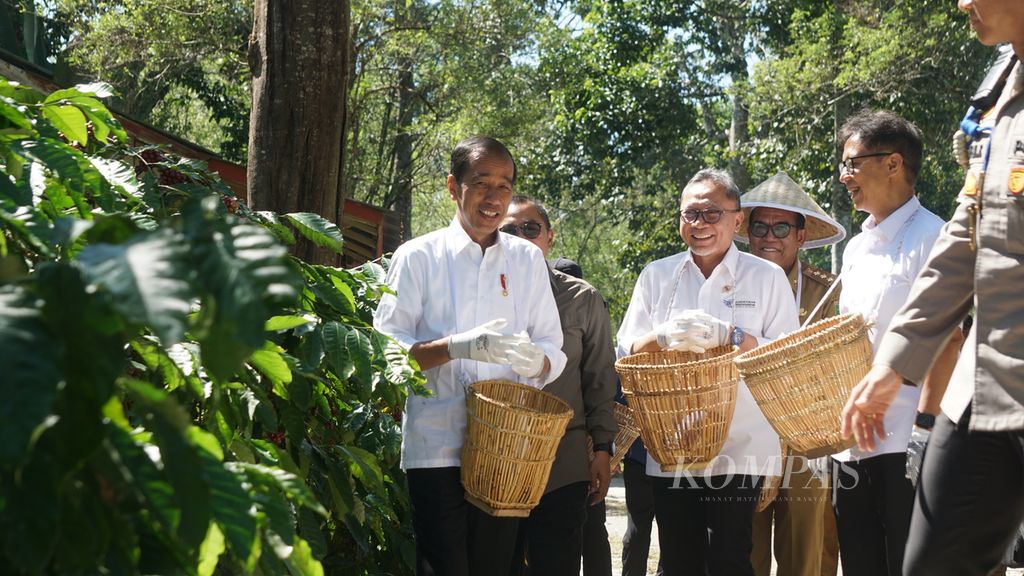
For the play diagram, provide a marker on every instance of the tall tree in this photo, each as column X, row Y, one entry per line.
column 298, row 53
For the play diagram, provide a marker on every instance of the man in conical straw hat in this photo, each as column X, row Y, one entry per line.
column 782, row 219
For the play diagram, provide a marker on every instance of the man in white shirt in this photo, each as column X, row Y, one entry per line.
column 471, row 304
column 872, row 497
column 711, row 295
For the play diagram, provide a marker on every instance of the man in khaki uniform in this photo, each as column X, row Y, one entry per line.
column 970, row 500
column 782, row 219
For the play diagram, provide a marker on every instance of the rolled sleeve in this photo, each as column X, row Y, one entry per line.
column 544, row 326
column 397, row 317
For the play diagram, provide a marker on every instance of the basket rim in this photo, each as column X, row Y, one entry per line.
column 631, row 362
column 472, row 390
column 844, row 329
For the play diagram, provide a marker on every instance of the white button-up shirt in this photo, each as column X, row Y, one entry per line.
column 744, row 290
column 445, row 285
column 879, row 267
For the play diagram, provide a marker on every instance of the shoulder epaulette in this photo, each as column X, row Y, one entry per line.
column 826, row 278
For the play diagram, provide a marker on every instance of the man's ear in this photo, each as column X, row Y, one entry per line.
column 894, row 162
column 453, row 187
column 801, row 237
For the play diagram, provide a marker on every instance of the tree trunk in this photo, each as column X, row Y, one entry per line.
column 298, row 54
column 401, row 185
column 842, row 207
column 739, row 131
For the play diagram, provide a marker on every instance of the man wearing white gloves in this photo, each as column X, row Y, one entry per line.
column 707, row 296
column 470, row 305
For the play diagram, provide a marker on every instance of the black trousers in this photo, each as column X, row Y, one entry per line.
column 873, row 501
column 705, row 525
column 597, row 550
column 970, row 501
column 550, row 540
column 636, row 542
column 453, row 537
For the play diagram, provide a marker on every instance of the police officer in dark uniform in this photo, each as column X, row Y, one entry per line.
column 971, row 495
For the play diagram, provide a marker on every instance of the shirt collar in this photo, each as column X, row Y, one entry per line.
column 729, row 262
column 891, row 226
column 794, row 274
column 459, row 240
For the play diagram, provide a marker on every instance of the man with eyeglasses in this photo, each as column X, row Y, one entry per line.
column 782, row 219
column 873, row 498
column 706, row 296
column 552, row 536
column 470, row 304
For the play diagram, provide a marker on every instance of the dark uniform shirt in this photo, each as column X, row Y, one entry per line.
column 815, row 284
column 588, row 381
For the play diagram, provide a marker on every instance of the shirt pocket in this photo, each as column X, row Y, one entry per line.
column 1013, row 193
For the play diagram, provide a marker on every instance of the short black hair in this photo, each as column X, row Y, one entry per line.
column 474, row 147
column 884, row 131
column 719, row 177
column 801, row 221
column 520, row 199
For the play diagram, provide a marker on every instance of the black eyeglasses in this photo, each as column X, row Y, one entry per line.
column 710, row 216
column 529, row 229
column 847, row 166
column 779, row 229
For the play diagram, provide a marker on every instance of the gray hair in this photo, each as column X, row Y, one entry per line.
column 719, row 178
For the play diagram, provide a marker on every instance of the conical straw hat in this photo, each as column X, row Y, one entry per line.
column 780, row 191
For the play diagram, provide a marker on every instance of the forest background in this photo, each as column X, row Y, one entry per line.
column 608, row 105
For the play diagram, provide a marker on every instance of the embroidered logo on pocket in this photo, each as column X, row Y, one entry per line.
column 1016, row 182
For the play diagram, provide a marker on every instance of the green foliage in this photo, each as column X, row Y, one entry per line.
column 183, row 396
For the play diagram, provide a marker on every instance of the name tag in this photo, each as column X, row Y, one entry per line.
column 745, row 304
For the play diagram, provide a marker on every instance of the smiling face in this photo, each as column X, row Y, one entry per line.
column 483, row 195
column 708, row 242
column 868, row 183
column 996, row 21
column 782, row 251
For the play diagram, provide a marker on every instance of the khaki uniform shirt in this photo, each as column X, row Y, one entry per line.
column 990, row 373
column 588, row 382
column 811, row 286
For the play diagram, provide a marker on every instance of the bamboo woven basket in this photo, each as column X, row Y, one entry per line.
column 682, row 402
column 512, row 435
column 624, row 438
column 802, row 381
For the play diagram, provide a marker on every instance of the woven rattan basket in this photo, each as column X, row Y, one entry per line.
column 624, row 438
column 512, row 435
column 682, row 403
column 801, row 381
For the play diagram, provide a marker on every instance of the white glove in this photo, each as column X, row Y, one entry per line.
column 693, row 330
column 483, row 343
column 526, row 358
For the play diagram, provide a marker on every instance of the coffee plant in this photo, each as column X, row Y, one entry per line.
column 181, row 396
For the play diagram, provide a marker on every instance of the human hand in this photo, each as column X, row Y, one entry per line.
column 483, row 343
column 864, row 412
column 693, row 330
column 600, row 476
column 915, row 452
column 526, row 358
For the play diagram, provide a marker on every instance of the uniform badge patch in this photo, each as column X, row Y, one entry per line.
column 1016, row 182
column 970, row 185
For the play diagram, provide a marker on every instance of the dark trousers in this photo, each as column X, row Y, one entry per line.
column 453, row 537
column 636, row 542
column 969, row 503
column 705, row 525
column 873, row 501
column 550, row 540
column 597, row 551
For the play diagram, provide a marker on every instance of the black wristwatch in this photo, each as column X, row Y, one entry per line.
column 926, row 421
column 604, row 446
